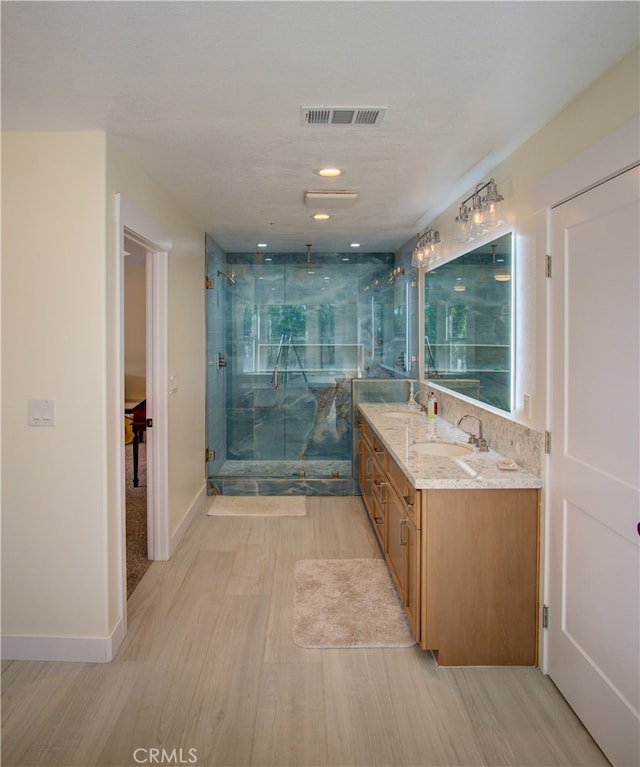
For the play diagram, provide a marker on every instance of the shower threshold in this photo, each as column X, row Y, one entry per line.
column 287, row 469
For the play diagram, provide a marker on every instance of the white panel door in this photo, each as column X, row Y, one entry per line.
column 594, row 566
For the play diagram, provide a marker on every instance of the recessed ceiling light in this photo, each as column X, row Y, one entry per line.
column 321, row 216
column 262, row 245
column 328, row 172
column 355, row 244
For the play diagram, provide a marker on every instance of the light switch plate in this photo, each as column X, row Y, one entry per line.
column 41, row 412
column 173, row 384
column 528, row 406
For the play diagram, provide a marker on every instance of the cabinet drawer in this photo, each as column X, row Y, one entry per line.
column 379, row 519
column 380, row 454
column 376, row 445
column 380, row 485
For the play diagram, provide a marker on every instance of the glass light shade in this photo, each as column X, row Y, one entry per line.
column 493, row 213
column 476, row 217
column 502, row 277
column 492, row 205
column 420, row 257
column 461, row 226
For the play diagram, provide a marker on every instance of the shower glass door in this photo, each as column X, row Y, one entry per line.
column 293, row 344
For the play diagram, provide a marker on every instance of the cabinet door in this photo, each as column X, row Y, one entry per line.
column 480, row 577
column 412, row 548
column 395, row 548
column 366, row 475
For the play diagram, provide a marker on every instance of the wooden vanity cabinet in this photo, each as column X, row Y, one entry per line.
column 464, row 561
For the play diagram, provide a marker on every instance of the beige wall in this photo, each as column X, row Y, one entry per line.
column 54, row 506
column 61, row 496
column 609, row 103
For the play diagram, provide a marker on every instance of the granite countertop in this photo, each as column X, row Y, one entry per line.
column 400, row 433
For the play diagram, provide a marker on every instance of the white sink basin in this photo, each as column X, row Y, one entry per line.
column 447, row 449
column 404, row 414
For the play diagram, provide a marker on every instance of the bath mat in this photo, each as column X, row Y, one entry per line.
column 258, row 506
column 347, row 603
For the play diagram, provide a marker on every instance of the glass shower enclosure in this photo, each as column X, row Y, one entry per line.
column 297, row 330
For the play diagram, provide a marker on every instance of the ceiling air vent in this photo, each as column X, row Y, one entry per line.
column 371, row 116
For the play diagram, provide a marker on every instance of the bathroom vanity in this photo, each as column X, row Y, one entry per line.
column 459, row 532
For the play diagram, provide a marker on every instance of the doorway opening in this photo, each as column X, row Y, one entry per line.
column 136, row 229
column 135, row 396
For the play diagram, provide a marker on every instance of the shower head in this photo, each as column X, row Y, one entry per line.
column 231, row 278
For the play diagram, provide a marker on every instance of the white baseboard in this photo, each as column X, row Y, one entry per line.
column 196, row 506
column 67, row 649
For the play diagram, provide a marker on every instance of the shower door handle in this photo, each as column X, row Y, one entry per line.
column 275, row 378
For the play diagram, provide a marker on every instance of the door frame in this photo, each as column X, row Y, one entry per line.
column 136, row 225
column 609, row 157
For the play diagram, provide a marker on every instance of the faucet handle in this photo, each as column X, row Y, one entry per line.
column 473, row 440
column 483, row 447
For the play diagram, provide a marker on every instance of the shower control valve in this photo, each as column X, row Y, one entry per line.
column 222, row 361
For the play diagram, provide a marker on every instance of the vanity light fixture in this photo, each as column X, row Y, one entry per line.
column 424, row 252
column 483, row 213
column 394, row 274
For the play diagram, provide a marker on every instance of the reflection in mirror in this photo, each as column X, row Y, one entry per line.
column 468, row 324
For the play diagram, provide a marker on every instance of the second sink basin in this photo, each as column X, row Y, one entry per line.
column 404, row 414
column 446, row 449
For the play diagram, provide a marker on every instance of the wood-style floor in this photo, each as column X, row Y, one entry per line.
column 208, row 666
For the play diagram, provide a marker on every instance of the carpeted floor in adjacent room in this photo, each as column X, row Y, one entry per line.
column 137, row 562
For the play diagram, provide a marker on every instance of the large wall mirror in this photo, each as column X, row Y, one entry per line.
column 468, row 324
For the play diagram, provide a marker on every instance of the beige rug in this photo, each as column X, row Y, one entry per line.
column 347, row 603
column 258, row 506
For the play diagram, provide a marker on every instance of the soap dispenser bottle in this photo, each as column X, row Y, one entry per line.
column 432, row 405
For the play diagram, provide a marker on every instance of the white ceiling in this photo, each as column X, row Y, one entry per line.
column 207, row 97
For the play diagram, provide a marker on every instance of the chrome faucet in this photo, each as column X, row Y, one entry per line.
column 473, row 439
